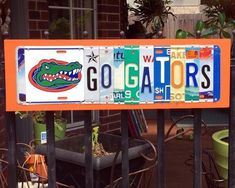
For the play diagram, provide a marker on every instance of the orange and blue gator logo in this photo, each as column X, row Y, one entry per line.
column 55, row 76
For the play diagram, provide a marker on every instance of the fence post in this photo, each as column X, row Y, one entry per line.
column 124, row 147
column 231, row 161
column 197, row 145
column 88, row 150
column 161, row 148
column 161, row 182
column 197, row 180
column 11, row 136
column 51, row 148
column 88, row 143
column 124, row 141
column 50, row 142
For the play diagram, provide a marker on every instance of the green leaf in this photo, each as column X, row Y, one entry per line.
column 209, row 32
column 200, row 25
column 233, row 22
column 190, row 34
column 230, row 23
column 226, row 34
column 59, row 127
column 180, row 34
column 222, row 18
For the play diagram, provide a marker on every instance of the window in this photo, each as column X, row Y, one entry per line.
column 68, row 19
column 75, row 119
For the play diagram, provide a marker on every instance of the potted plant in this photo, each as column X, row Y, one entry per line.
column 39, row 125
column 216, row 24
column 70, row 158
column 220, row 147
column 205, row 32
column 153, row 14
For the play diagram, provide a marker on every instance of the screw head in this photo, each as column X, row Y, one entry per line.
column 85, row 34
column 122, row 34
column 46, row 33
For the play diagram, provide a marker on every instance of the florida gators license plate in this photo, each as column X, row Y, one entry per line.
column 50, row 75
column 119, row 74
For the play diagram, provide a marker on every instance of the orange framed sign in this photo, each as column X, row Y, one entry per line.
column 117, row 74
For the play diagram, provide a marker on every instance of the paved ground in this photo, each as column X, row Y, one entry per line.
column 179, row 175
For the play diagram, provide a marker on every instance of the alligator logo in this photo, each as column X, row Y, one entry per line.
column 55, row 76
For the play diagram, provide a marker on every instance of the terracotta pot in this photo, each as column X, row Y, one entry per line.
column 37, row 165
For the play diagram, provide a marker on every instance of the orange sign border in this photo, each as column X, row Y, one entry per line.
column 10, row 74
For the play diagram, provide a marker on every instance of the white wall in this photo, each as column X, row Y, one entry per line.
column 186, row 2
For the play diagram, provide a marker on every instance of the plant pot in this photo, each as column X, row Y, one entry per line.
column 221, row 153
column 37, row 166
column 40, row 131
column 70, row 159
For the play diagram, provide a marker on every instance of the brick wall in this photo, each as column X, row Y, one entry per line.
column 110, row 120
column 111, row 20
column 38, row 18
